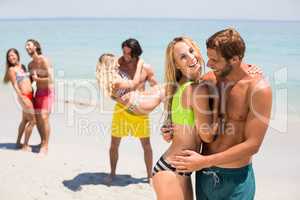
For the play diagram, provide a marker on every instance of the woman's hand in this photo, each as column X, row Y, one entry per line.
column 34, row 76
column 253, row 69
column 167, row 132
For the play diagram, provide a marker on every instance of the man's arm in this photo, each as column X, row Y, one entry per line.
column 130, row 84
column 255, row 130
column 12, row 78
column 151, row 76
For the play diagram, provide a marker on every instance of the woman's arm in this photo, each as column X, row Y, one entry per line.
column 12, row 78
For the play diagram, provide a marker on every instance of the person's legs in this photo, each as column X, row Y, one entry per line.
column 39, row 125
column 44, row 129
column 21, row 129
column 147, row 155
column 30, row 118
column 187, row 188
column 169, row 185
column 202, row 185
column 113, row 157
column 43, row 102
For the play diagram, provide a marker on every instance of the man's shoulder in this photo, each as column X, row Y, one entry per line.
column 120, row 60
column 44, row 60
column 259, row 87
column 260, row 82
column 30, row 64
column 147, row 69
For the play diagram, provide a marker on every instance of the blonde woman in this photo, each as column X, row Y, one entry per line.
column 120, row 88
column 18, row 76
column 187, row 105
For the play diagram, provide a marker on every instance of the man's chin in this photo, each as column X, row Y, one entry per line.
column 30, row 54
column 217, row 73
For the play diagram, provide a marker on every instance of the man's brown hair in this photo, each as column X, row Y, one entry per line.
column 228, row 43
column 37, row 45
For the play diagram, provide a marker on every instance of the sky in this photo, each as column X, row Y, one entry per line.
column 198, row 9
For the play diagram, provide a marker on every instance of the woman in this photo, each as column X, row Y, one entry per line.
column 187, row 108
column 120, row 88
column 16, row 74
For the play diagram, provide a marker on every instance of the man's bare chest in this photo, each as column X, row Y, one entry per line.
column 234, row 101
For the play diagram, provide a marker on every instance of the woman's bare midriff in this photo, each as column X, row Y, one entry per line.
column 184, row 138
column 25, row 86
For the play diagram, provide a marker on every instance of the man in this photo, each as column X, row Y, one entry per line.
column 244, row 111
column 41, row 72
column 123, row 121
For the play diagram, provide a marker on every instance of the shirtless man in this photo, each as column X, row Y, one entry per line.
column 123, row 121
column 244, row 112
column 41, row 72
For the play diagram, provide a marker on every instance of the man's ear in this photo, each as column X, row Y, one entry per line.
column 235, row 60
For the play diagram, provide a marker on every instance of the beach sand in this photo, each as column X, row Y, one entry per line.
column 78, row 157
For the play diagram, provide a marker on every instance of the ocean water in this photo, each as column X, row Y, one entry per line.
column 74, row 45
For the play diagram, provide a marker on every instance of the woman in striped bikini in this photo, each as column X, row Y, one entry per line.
column 116, row 85
column 17, row 74
column 188, row 109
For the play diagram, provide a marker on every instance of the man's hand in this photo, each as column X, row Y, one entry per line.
column 189, row 161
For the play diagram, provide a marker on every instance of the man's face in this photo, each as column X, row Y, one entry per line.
column 30, row 48
column 127, row 54
column 218, row 64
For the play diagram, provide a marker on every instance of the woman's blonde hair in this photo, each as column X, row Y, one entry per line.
column 107, row 72
column 172, row 74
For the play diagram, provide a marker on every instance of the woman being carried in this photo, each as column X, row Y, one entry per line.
column 120, row 88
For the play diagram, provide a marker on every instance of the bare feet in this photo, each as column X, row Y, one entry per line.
column 26, row 147
column 43, row 150
column 108, row 180
column 149, row 181
column 18, row 145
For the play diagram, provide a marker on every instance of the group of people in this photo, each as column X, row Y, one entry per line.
column 215, row 121
column 36, row 102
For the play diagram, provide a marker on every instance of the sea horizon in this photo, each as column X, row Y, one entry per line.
column 73, row 46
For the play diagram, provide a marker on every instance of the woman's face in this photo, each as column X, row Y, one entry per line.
column 13, row 58
column 186, row 60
